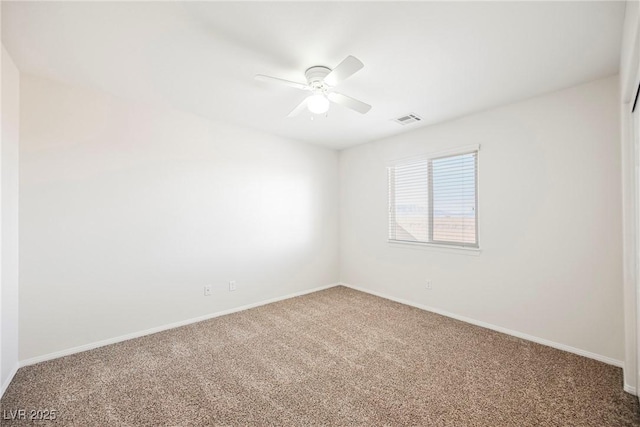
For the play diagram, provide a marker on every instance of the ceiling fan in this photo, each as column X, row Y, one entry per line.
column 320, row 82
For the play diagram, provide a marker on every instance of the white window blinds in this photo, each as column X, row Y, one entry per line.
column 435, row 200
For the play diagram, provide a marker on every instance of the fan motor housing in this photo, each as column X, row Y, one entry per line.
column 315, row 76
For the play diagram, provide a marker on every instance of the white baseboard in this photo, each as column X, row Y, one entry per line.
column 580, row 352
column 90, row 346
column 630, row 389
column 6, row 382
column 102, row 343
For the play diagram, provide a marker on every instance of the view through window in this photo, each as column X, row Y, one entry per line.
column 434, row 200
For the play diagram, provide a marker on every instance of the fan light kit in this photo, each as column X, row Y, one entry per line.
column 318, row 103
column 320, row 81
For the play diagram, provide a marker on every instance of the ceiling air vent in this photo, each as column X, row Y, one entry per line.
column 408, row 119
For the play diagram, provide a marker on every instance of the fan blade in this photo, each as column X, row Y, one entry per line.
column 345, row 69
column 269, row 79
column 347, row 101
column 299, row 108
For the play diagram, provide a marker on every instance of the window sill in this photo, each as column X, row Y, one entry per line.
column 435, row 247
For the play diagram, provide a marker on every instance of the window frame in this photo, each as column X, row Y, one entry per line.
column 441, row 245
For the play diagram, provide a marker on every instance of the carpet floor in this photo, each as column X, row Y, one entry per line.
column 335, row 357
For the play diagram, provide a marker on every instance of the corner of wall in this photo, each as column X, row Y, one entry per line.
column 9, row 147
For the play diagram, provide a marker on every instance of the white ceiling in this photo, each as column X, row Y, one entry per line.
column 439, row 60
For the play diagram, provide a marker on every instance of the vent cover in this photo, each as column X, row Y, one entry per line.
column 408, row 119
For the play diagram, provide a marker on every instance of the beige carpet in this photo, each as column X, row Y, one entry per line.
column 336, row 357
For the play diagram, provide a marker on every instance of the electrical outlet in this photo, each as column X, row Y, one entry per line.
column 207, row 290
column 232, row 285
column 429, row 285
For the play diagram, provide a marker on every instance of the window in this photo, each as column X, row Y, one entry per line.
column 434, row 199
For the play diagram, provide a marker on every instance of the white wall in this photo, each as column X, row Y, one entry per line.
column 550, row 221
column 10, row 113
column 127, row 211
